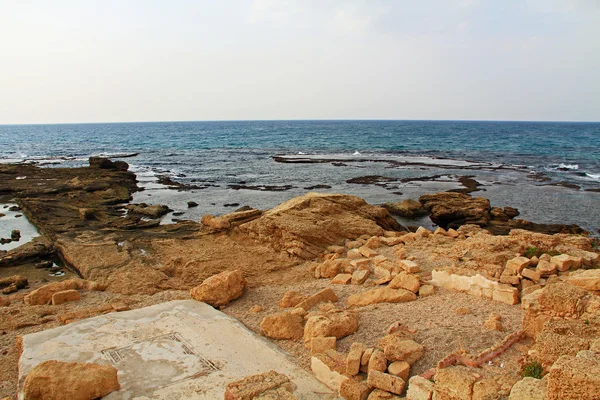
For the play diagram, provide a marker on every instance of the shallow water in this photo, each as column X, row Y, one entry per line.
column 10, row 221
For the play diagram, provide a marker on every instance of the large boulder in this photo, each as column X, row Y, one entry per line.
column 451, row 210
column 589, row 280
column 406, row 208
column 304, row 226
column 220, row 289
column 56, row 380
column 575, row 377
column 151, row 211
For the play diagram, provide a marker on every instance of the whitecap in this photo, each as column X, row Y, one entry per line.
column 567, row 166
column 595, row 177
column 356, row 153
column 301, row 153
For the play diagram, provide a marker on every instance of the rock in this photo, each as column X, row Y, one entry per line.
column 448, row 209
column 546, row 268
column 360, row 276
column 588, row 280
column 400, row 349
column 155, row 211
column 342, row 279
column 367, row 251
column 463, row 311
column 65, row 296
column 564, row 262
column 43, row 295
column 268, row 385
column 494, row 323
column 333, row 323
column 291, row 299
column 419, row 388
column 531, row 274
column 379, row 394
column 319, row 297
column 487, row 389
column 426, row 290
column 353, row 390
column 329, row 369
column 516, row 265
column 17, row 281
column 55, row 380
column 506, row 294
column 15, row 235
column 220, row 289
column 217, row 223
column 255, row 309
column 353, row 359
column 320, row 345
column 529, row 389
column 575, row 377
column 373, row 242
column 406, row 208
column 409, row 266
column 380, row 295
column 454, row 383
column 399, row 368
column 105, row 163
column 330, row 268
column 423, row 232
column 283, row 325
column 192, row 204
column 405, row 281
column 387, row 382
column 561, row 298
column 377, row 361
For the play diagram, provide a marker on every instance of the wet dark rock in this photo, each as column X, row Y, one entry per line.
column 106, row 163
column 262, row 188
column 451, row 210
column 178, row 213
column 5, row 240
column 14, row 208
column 15, row 235
column 470, row 185
column 339, row 164
column 155, row 211
column 231, row 204
column 370, row 180
column 168, row 181
column 318, row 187
column 192, row 204
column 243, row 208
column 44, row 264
column 2, row 215
column 18, row 215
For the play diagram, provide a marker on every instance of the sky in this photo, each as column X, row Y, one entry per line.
column 146, row 60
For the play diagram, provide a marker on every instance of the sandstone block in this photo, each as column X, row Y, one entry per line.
column 333, row 323
column 391, row 241
column 378, row 394
column 454, row 383
column 320, row 345
column 336, row 249
column 399, row 368
column 259, row 386
column 440, row 231
column 377, row 361
column 353, row 254
column 510, row 279
column 217, row 223
column 588, row 280
column 373, row 242
column 506, row 294
column 561, row 297
column 367, row 252
column 546, row 268
column 366, row 356
column 283, row 325
column 43, row 295
column 328, row 370
column 342, row 279
column 353, row 390
column 486, row 389
column 516, row 265
column 55, row 380
column 529, row 389
column 409, row 266
column 531, row 274
column 65, row 296
column 403, row 350
column 406, row 281
column 361, row 262
column 419, row 388
column 564, row 262
column 220, row 289
column 319, row 297
column 291, row 299
column 575, row 377
column 493, row 323
column 360, row 276
column 426, row 290
column 353, row 359
column 387, row 382
column 380, row 295
column 452, row 233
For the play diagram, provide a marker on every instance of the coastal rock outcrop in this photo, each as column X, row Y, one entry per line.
column 406, row 208
column 451, row 210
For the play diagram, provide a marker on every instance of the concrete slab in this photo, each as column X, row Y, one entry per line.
column 177, row 350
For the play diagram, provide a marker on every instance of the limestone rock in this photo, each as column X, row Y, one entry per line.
column 389, row 383
column 454, row 383
column 409, row 266
column 419, row 388
column 152, row 211
column 426, row 290
column 564, row 262
column 360, row 276
column 494, row 323
column 283, row 325
column 291, row 299
column 373, row 242
column 529, row 389
column 403, row 350
column 333, row 323
column 65, row 296
column 546, row 268
column 588, row 280
column 405, row 281
column 379, row 394
column 367, row 251
column 561, row 297
column 220, row 289
column 575, row 377
column 17, row 281
column 354, row 357
column 55, row 380
column 531, row 274
column 261, row 386
column 319, row 297
column 450, row 210
column 353, row 390
column 380, row 295
column 399, row 368
column 517, row 264
column 406, row 208
column 377, row 361
column 342, row 279
column 329, row 369
column 217, row 223
column 43, row 295
column 320, row 345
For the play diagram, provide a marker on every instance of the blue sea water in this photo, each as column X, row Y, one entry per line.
column 522, row 164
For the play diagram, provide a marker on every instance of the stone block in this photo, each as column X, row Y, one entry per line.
column 320, row 345
column 327, row 371
column 65, row 296
column 353, row 359
column 399, row 368
column 387, row 382
column 403, row 350
column 380, row 295
column 220, row 289
column 531, row 274
column 255, row 386
column 419, row 388
column 360, row 276
column 377, row 361
column 291, row 299
column 406, row 281
column 588, row 280
column 319, row 297
column 283, row 325
column 342, row 279
column 565, row 262
column 576, row 377
column 353, row 390
column 506, row 294
column 409, row 266
column 367, row 252
column 454, row 383
column 516, row 265
column 426, row 290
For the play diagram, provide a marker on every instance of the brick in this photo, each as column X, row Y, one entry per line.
column 65, row 296
column 354, row 357
column 377, row 361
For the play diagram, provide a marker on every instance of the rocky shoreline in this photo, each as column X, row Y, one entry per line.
column 364, row 268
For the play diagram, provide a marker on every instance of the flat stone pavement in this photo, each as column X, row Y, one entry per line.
column 177, row 350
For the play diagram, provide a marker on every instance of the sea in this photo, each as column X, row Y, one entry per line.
column 550, row 171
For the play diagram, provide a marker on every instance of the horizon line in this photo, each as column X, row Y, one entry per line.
column 299, row 120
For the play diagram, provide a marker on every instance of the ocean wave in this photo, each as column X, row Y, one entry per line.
column 564, row 167
column 594, row 177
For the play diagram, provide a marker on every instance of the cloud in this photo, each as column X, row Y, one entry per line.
column 273, row 11
column 351, row 22
column 467, row 3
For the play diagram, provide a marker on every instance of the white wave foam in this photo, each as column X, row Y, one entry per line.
column 301, row 153
column 356, row 153
column 567, row 166
column 595, row 177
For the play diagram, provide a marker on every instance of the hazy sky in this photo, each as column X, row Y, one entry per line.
column 117, row 60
